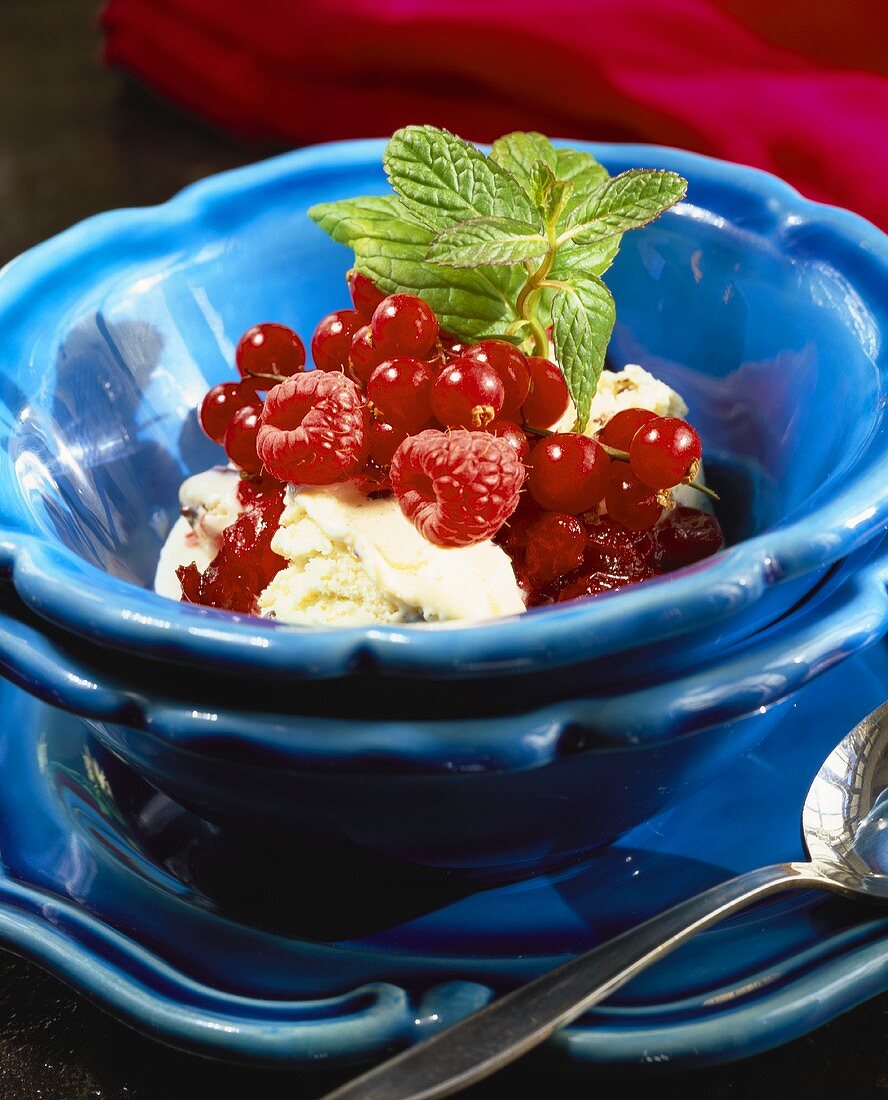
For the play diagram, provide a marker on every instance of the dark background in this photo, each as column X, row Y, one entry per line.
column 75, row 140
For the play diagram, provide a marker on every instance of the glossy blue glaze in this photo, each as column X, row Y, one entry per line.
column 765, row 310
column 494, row 796
column 266, row 951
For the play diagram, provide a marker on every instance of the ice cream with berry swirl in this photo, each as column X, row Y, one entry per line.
column 349, row 556
column 354, row 559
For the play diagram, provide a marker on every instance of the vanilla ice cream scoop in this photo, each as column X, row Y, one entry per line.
column 355, row 559
column 630, row 388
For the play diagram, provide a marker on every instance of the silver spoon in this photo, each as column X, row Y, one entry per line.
column 845, row 826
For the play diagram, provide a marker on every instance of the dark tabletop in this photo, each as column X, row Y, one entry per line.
column 74, row 140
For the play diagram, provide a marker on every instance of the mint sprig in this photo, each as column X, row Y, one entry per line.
column 511, row 244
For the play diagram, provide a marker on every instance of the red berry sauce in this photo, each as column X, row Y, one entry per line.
column 245, row 563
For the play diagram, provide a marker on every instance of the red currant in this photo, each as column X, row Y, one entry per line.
column 365, row 294
column 629, row 501
column 622, row 426
column 332, row 338
column 467, row 394
column 240, row 439
column 403, row 324
column 568, row 473
column 555, row 545
column 402, row 391
column 548, row 399
column 383, row 439
column 220, row 405
column 510, row 363
column 363, row 355
column 687, row 535
column 452, row 346
column 513, row 435
column 270, row 348
column 664, row 452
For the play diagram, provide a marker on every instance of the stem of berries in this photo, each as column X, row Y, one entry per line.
column 624, row 456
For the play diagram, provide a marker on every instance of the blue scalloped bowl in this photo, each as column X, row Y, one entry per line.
column 491, row 796
column 766, row 311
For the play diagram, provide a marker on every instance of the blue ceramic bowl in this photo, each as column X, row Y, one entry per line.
column 494, row 796
column 766, row 311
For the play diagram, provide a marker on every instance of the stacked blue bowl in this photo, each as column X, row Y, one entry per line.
column 493, row 749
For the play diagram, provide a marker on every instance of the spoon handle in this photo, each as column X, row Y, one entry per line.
column 489, row 1039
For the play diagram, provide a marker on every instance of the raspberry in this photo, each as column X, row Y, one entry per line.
column 313, row 429
column 459, row 487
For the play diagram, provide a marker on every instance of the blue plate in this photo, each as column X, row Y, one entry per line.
column 248, row 948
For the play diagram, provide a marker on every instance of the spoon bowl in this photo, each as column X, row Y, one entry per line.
column 845, row 828
column 845, row 817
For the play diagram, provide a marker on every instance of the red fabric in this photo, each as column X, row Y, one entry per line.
column 725, row 77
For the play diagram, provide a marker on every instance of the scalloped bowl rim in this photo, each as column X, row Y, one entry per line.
column 105, row 608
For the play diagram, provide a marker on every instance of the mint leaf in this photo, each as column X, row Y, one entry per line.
column 627, row 201
column 375, row 216
column 442, row 179
column 548, row 193
column 583, row 315
column 585, row 259
column 482, row 241
column 471, row 304
column 520, row 151
column 583, row 171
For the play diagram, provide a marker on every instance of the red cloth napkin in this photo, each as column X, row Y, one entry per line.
column 801, row 94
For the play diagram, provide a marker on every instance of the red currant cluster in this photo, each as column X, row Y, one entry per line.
column 558, row 556
column 454, row 431
column 636, row 457
column 416, row 377
column 230, row 413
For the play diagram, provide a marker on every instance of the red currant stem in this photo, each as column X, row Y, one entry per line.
column 614, row 452
column 623, row 456
column 694, row 484
column 276, row 378
column 543, row 432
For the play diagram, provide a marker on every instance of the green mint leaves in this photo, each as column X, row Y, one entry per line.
column 512, row 244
